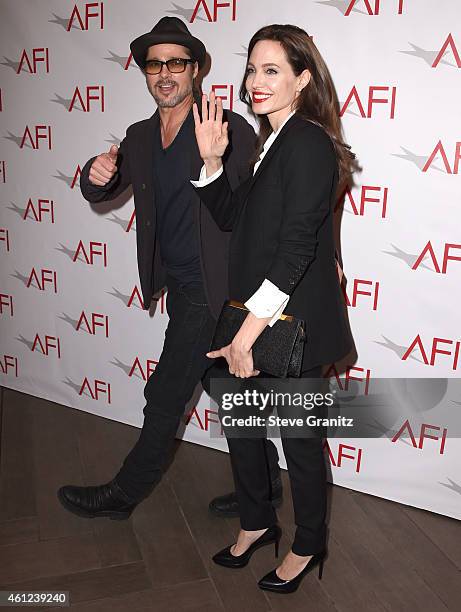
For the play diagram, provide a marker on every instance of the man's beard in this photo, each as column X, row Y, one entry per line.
column 171, row 101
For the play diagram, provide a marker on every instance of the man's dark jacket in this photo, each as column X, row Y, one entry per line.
column 135, row 167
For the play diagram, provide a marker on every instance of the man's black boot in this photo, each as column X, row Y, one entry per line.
column 107, row 500
column 227, row 506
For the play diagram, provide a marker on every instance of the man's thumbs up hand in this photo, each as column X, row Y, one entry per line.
column 113, row 152
column 104, row 167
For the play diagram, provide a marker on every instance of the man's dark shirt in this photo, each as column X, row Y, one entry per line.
column 176, row 228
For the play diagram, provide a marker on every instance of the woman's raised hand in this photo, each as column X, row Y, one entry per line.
column 210, row 131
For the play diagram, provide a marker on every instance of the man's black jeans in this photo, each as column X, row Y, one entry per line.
column 181, row 366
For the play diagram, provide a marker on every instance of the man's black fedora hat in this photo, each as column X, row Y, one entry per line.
column 168, row 30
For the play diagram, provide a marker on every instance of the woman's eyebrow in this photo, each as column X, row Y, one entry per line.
column 264, row 65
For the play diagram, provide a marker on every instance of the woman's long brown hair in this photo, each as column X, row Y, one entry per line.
column 317, row 102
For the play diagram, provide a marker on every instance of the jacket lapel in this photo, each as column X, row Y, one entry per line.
column 290, row 124
column 146, row 143
column 196, row 164
column 196, row 161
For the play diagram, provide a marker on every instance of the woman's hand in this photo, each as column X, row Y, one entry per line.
column 239, row 359
column 238, row 353
column 210, row 131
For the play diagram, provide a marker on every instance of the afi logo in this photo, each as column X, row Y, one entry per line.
column 151, row 364
column 131, row 221
column 39, row 56
column 209, row 416
column 371, row 7
column 365, row 196
column 5, row 238
column 7, row 363
column 96, row 249
column 92, row 93
column 434, row 350
column 422, row 435
column 76, row 176
column 38, row 133
column 92, row 11
column 440, row 149
column 332, row 371
column 356, row 291
column 42, row 279
column 2, row 171
column 225, row 97
column 371, row 100
column 128, row 61
column 99, row 389
column 342, row 453
column 449, row 43
column 43, row 207
column 428, row 250
column 215, row 6
column 49, row 342
column 135, row 295
column 6, row 304
column 95, row 320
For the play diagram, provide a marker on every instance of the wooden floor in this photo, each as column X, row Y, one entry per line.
column 382, row 555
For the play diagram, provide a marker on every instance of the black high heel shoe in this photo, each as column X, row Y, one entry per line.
column 271, row 582
column 271, row 536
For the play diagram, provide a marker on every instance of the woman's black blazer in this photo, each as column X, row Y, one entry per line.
column 282, row 229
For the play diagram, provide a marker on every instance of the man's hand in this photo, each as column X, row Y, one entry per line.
column 339, row 270
column 104, row 167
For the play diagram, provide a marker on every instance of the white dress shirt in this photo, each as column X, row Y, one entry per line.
column 268, row 300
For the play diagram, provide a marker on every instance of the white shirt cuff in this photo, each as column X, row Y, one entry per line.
column 267, row 301
column 203, row 180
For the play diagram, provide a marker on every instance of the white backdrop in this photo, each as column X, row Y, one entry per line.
column 71, row 325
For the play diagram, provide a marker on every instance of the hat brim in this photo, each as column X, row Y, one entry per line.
column 140, row 45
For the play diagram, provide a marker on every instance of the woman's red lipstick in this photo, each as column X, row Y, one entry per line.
column 259, row 96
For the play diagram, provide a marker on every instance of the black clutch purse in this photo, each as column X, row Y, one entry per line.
column 277, row 351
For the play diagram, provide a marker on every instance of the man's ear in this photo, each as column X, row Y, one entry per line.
column 195, row 73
